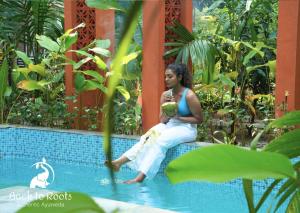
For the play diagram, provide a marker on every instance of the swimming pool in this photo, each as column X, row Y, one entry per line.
column 76, row 158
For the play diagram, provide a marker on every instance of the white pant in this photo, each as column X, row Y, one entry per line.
column 146, row 157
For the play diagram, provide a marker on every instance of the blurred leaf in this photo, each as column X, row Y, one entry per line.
column 70, row 39
column 101, row 51
column 123, row 92
column 220, row 163
column 79, row 82
column 100, row 63
column 81, row 62
column 130, row 57
column 92, row 85
column 105, row 44
column 289, row 119
column 24, row 57
column 95, row 75
column 7, row 92
column 30, row 85
column 117, row 69
column 294, row 204
column 38, row 68
column 58, row 76
column 248, row 189
column 3, row 79
column 47, row 43
column 287, row 144
column 104, row 5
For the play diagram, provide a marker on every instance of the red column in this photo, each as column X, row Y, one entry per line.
column 186, row 16
column 288, row 56
column 156, row 14
column 70, row 21
column 153, row 63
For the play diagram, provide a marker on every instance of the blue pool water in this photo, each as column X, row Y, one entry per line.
column 76, row 160
column 187, row 197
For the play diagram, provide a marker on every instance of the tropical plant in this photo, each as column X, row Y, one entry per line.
column 4, row 89
column 22, row 20
column 188, row 46
column 220, row 163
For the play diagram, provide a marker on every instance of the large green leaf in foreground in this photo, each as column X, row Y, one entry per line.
column 287, row 144
column 289, row 119
column 219, row 163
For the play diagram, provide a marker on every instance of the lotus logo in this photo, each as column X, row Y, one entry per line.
column 41, row 179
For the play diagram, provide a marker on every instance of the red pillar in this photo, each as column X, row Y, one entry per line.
column 70, row 21
column 156, row 14
column 186, row 16
column 153, row 63
column 288, row 56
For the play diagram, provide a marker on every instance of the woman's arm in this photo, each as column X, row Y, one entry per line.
column 195, row 107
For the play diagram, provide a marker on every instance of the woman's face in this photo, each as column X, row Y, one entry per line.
column 171, row 78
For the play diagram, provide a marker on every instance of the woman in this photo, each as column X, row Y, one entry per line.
column 147, row 155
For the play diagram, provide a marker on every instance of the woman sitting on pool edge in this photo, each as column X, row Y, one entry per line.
column 147, row 155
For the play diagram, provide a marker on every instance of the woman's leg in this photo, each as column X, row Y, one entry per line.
column 141, row 176
column 156, row 153
column 131, row 154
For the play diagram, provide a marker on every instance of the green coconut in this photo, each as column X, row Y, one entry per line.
column 169, row 108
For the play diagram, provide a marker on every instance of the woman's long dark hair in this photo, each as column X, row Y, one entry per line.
column 182, row 70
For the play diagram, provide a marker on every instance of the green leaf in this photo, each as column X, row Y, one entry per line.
column 117, row 69
column 219, row 163
column 255, row 141
column 104, row 5
column 3, row 78
column 70, row 39
column 81, row 62
column 38, row 68
column 100, row 63
column 105, row 44
column 272, row 66
column 287, row 144
column 7, row 92
column 101, row 51
column 294, row 204
column 79, row 82
column 130, row 57
column 290, row 191
column 266, row 194
column 248, row 189
column 71, row 202
column 47, row 43
column 123, row 92
column 30, row 85
column 81, row 52
column 289, row 119
column 96, row 75
column 92, row 85
column 24, row 57
column 58, row 76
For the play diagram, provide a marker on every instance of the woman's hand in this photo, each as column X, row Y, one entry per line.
column 169, row 98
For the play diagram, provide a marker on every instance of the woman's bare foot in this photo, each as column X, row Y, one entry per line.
column 138, row 179
column 113, row 165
